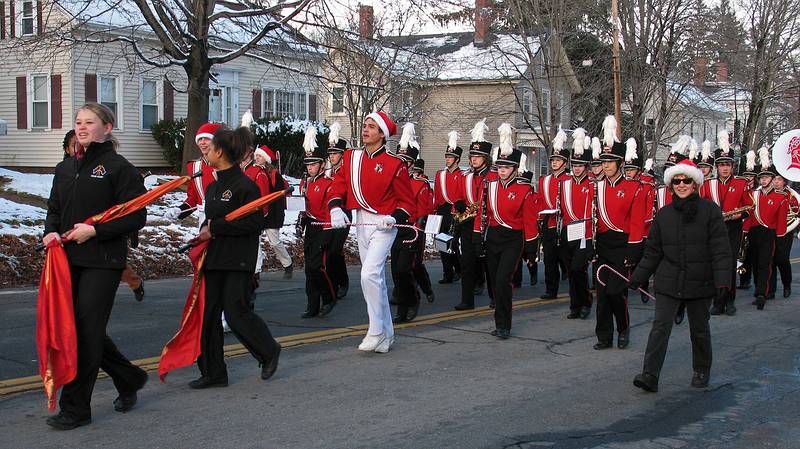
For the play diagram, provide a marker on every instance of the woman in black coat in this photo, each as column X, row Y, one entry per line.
column 88, row 182
column 229, row 264
column 688, row 251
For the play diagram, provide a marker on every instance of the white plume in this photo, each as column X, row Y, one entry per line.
column 705, row 154
column 630, row 150
column 692, row 149
column 587, row 143
column 578, row 138
column 648, row 164
column 333, row 137
column 506, row 139
column 596, row 147
column 494, row 153
column 478, row 131
column 452, row 140
column 681, row 145
column 610, row 131
column 723, row 142
column 310, row 139
column 247, row 119
column 523, row 163
column 750, row 165
column 559, row 140
column 409, row 135
column 763, row 157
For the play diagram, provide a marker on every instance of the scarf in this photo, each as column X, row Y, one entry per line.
column 687, row 207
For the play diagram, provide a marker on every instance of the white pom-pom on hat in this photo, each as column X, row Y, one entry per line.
column 705, row 153
column 506, row 139
column 559, row 140
column 763, row 158
column 723, row 142
column 478, row 131
column 596, row 147
column 610, row 131
column 578, row 137
column 648, row 164
column 630, row 150
column 310, row 139
column 335, row 130
column 750, row 159
column 681, row 145
column 409, row 135
column 692, row 149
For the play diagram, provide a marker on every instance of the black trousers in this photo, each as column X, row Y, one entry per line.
column 93, row 292
column 698, row 315
column 577, row 259
column 747, row 267
column 532, row 268
column 780, row 262
column 227, row 291
column 337, row 268
column 451, row 263
column 552, row 262
column 762, row 251
column 612, row 300
column 404, row 256
column 317, row 252
column 474, row 270
column 735, row 238
column 421, row 275
column 503, row 252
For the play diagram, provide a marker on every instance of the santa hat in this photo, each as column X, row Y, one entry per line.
column 206, row 131
column 266, row 153
column 687, row 168
column 384, row 123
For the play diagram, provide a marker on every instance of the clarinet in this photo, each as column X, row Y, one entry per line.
column 484, row 215
column 559, row 221
column 595, row 215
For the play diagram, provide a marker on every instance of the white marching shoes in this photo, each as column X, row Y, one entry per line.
column 371, row 343
column 383, row 348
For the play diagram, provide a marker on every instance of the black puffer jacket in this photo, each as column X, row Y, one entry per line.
column 234, row 246
column 691, row 259
column 85, row 187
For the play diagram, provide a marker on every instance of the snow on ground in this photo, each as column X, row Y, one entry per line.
column 30, row 183
column 20, row 219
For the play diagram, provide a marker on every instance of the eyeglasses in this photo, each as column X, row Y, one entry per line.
column 686, row 181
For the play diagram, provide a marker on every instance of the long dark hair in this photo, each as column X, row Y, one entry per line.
column 233, row 143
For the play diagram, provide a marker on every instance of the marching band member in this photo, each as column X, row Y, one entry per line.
column 531, row 260
column 403, row 254
column 375, row 185
column 509, row 209
column 729, row 193
column 196, row 191
column 596, row 167
column 747, row 171
column 620, row 227
column 421, row 190
column 577, row 204
column 256, row 171
column 446, row 192
column 688, row 252
column 548, row 194
column 473, row 265
column 783, row 245
column 767, row 223
column 229, row 264
column 94, row 179
column 276, row 214
column 705, row 162
column 316, row 187
column 337, row 268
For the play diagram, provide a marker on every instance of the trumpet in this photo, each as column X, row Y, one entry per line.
column 469, row 213
column 730, row 214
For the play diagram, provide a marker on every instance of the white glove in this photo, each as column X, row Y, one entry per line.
column 338, row 218
column 172, row 213
column 386, row 223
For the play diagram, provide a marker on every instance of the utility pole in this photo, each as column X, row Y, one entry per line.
column 616, row 64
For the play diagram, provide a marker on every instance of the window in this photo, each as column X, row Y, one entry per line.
column 26, row 23
column 284, row 104
column 337, row 100
column 40, row 101
column 562, row 110
column 527, row 104
column 108, row 94
column 149, row 101
column 279, row 104
column 269, row 103
column 650, row 129
column 546, row 106
column 407, row 96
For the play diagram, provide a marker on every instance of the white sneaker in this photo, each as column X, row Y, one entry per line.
column 371, row 342
column 225, row 327
column 383, row 348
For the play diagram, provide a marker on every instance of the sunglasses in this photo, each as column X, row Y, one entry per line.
column 686, row 181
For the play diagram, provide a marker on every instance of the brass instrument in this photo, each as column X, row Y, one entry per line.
column 470, row 213
column 729, row 215
column 792, row 219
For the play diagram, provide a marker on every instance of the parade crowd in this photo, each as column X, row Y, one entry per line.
column 599, row 219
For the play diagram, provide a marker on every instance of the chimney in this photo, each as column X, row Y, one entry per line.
column 366, row 22
column 482, row 20
column 722, row 72
column 700, row 69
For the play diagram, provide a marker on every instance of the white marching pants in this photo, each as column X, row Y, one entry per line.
column 261, row 254
column 274, row 239
column 373, row 248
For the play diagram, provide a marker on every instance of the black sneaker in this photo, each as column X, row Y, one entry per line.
column 138, row 292
column 268, row 369
column 646, row 382
column 206, row 382
column 699, row 379
column 63, row 421
column 760, row 301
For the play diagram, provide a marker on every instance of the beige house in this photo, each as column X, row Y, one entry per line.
column 42, row 86
column 465, row 77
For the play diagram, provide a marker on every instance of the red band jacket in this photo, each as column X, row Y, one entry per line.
column 317, row 192
column 576, row 202
column 511, row 205
column 621, row 208
column 548, row 192
column 769, row 210
column 447, row 186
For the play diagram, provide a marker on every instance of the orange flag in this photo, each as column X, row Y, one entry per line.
column 56, row 337
column 136, row 204
column 184, row 348
column 257, row 204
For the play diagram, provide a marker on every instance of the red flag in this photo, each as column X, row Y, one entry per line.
column 56, row 337
column 136, row 204
column 184, row 348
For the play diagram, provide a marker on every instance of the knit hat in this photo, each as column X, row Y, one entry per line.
column 206, row 131
column 266, row 153
column 685, row 167
column 386, row 124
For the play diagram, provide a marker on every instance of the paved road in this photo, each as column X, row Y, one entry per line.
column 444, row 384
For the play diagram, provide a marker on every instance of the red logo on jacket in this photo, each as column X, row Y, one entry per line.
column 99, row 172
column 226, row 195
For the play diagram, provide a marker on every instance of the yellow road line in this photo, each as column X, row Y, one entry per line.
column 29, row 383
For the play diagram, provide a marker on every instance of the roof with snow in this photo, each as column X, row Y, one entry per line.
column 692, row 96
column 503, row 57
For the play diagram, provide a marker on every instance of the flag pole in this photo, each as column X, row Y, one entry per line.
column 616, row 65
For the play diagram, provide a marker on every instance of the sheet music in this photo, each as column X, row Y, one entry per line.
column 434, row 224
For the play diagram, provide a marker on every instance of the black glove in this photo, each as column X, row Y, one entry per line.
column 633, row 254
column 477, row 243
column 531, row 246
column 460, row 206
